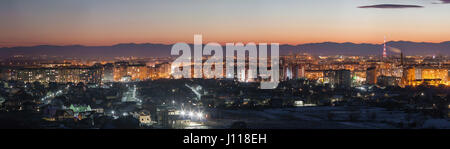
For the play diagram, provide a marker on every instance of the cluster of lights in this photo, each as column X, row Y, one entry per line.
column 52, row 95
column 192, row 114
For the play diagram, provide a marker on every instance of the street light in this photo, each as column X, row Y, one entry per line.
column 199, row 115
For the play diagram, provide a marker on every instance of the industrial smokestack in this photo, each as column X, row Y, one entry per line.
column 384, row 48
column 401, row 59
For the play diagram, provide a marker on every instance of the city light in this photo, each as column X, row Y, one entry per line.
column 199, row 115
column 340, row 75
column 193, row 115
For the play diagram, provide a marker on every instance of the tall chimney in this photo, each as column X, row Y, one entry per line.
column 384, row 48
column 401, row 59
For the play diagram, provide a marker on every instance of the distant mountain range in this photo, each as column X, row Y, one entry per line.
column 163, row 50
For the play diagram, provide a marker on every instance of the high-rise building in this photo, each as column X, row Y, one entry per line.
column 164, row 70
column 120, row 70
column 338, row 78
column 130, row 71
column 138, row 72
column 108, row 72
column 314, row 75
column 371, row 76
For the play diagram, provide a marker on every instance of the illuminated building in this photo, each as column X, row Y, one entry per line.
column 80, row 108
column 145, row 119
column 108, row 72
column 152, row 72
column 301, row 72
column 138, row 72
column 358, row 77
column 120, row 70
column 132, row 72
column 74, row 74
column 371, row 76
column 390, row 70
column 164, row 70
column 425, row 75
column 314, row 74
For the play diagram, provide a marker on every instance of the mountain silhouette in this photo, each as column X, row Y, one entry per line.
column 163, row 50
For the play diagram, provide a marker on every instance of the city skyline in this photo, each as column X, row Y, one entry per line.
column 100, row 23
column 243, row 72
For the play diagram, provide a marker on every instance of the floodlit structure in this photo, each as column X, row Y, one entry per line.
column 415, row 76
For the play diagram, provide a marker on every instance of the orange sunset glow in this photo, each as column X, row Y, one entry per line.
column 292, row 22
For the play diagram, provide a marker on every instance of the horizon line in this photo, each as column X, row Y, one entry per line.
column 221, row 43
